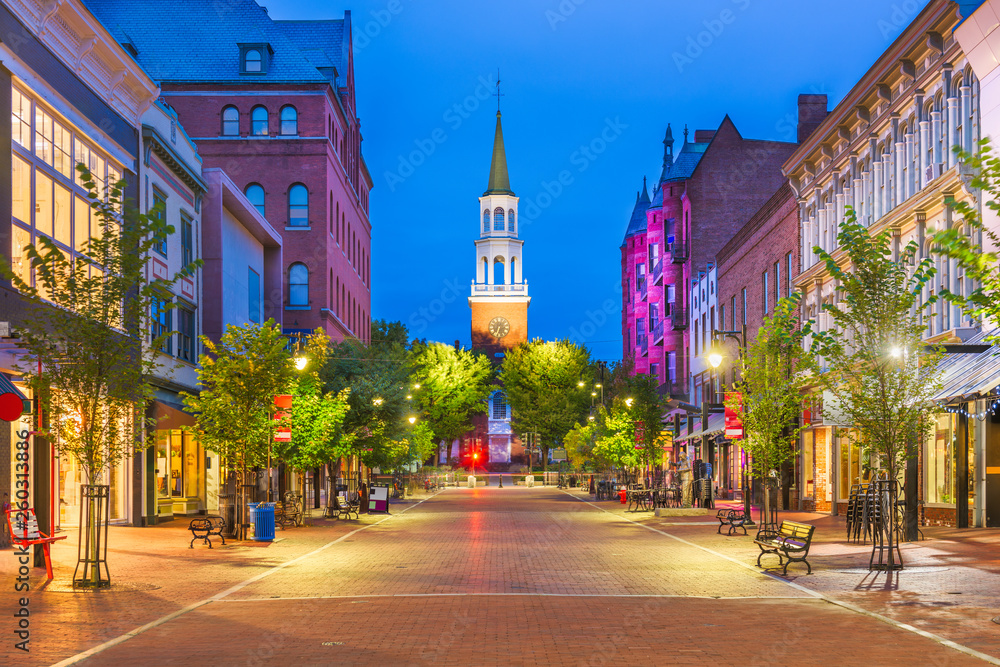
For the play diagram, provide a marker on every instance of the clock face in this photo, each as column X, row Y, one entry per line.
column 499, row 327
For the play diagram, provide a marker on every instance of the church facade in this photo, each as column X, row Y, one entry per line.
column 499, row 297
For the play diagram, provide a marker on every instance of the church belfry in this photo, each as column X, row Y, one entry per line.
column 499, row 299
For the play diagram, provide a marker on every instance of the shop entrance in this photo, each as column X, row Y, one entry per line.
column 993, row 471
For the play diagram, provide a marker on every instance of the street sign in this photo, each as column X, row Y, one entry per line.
column 734, row 425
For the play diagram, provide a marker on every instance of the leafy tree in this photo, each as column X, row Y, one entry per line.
column 317, row 417
column 975, row 248
column 646, row 407
column 774, row 373
column 453, row 387
column 239, row 378
column 87, row 332
column 615, row 443
column 378, row 377
column 873, row 352
column 580, row 441
column 541, row 380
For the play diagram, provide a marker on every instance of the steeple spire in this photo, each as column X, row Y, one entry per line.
column 644, row 195
column 668, row 146
column 499, row 180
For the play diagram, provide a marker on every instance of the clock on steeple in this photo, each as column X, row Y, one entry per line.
column 499, row 299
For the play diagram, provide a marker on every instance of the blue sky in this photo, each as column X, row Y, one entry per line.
column 589, row 87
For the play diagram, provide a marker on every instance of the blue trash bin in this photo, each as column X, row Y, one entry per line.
column 262, row 517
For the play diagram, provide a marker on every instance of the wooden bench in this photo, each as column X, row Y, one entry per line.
column 791, row 538
column 288, row 511
column 344, row 507
column 23, row 527
column 204, row 526
column 734, row 518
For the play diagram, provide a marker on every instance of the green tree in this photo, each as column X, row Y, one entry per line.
column 234, row 411
column 378, row 377
column 542, row 382
column 87, row 327
column 874, row 358
column 453, row 387
column 775, row 371
column 580, row 441
column 615, row 442
column 317, row 417
column 975, row 247
column 646, row 407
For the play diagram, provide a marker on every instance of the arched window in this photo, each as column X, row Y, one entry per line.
column 486, row 221
column 510, row 220
column 298, row 285
column 298, row 206
column 252, row 60
column 498, row 267
column 498, row 220
column 289, row 120
column 230, row 122
column 258, row 122
column 499, row 406
column 513, row 271
column 255, row 195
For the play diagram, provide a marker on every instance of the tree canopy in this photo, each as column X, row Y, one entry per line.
column 449, row 386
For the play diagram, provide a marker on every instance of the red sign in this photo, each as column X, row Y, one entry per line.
column 734, row 425
column 283, row 433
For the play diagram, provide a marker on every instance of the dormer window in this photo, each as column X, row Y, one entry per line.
column 254, row 58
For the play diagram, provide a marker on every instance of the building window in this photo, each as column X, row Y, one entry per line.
column 640, row 275
column 161, row 325
column 258, row 122
column 654, row 371
column 486, row 221
column 744, row 306
column 230, row 122
column 159, row 211
column 298, row 206
column 788, row 274
column 499, row 406
column 668, row 230
column 185, row 335
column 498, row 220
column 671, row 367
column 510, row 220
column 53, row 142
column 298, row 285
column 777, row 282
column 253, row 295
column 254, row 58
column 732, row 314
column 640, row 330
column 187, row 240
column 255, row 195
column 21, row 116
column 764, row 293
column 289, row 120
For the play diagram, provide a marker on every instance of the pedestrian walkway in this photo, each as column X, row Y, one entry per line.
column 467, row 576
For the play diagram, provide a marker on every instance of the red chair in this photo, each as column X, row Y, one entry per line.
column 23, row 526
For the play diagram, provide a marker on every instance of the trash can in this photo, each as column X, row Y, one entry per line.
column 262, row 518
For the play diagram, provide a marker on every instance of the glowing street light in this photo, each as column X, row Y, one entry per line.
column 412, row 420
column 377, row 402
column 628, row 402
column 300, row 362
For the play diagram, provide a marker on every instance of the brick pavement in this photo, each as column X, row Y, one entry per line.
column 485, row 576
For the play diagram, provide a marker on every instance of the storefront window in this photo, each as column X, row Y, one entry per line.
column 939, row 461
column 808, row 481
column 180, row 460
column 849, row 469
column 192, row 467
column 162, row 467
column 176, row 464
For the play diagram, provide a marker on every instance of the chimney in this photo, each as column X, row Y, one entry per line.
column 812, row 111
column 703, row 136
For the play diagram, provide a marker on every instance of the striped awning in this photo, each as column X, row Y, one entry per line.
column 716, row 424
column 968, row 376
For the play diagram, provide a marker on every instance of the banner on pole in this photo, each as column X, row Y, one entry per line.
column 734, row 425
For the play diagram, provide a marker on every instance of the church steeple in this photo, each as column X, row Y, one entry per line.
column 499, row 180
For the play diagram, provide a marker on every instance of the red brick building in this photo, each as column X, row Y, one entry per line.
column 273, row 104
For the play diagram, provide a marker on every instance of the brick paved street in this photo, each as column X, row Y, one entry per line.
column 490, row 576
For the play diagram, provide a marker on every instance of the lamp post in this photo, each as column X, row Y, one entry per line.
column 715, row 358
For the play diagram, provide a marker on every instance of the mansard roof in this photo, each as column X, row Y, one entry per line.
column 193, row 41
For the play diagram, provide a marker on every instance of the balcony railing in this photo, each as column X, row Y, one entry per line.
column 678, row 252
column 679, row 318
column 658, row 271
column 482, row 289
column 657, row 332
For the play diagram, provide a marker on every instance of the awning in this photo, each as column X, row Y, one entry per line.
column 716, row 424
column 169, row 418
column 968, row 376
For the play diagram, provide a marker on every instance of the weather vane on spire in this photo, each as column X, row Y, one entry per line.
column 498, row 94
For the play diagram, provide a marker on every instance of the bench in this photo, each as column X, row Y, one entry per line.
column 204, row 526
column 288, row 511
column 344, row 507
column 791, row 538
column 23, row 527
column 734, row 518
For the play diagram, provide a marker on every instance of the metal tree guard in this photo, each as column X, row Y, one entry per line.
column 92, row 549
column 885, row 542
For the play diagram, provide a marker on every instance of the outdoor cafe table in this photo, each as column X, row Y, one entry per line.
column 641, row 499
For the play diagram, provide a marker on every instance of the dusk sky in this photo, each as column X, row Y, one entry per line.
column 589, row 87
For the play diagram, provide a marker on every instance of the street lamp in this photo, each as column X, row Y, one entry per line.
column 628, row 402
column 715, row 358
column 412, row 420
